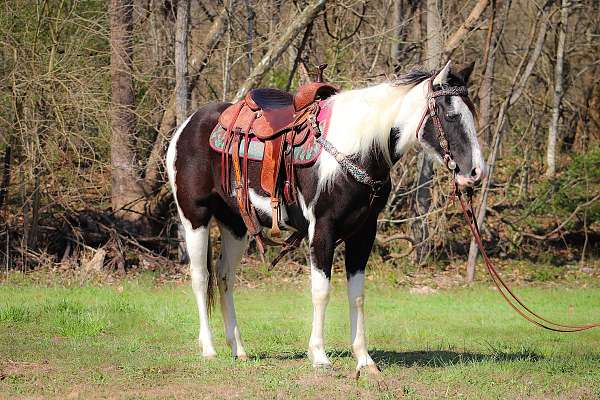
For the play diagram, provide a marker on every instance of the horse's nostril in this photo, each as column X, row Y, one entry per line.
column 476, row 174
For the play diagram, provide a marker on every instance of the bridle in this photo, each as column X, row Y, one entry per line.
column 432, row 112
column 469, row 213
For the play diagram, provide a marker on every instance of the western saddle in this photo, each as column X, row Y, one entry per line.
column 282, row 121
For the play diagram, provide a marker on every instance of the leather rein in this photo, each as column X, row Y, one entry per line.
column 515, row 302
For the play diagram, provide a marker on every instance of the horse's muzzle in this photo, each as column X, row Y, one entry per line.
column 476, row 175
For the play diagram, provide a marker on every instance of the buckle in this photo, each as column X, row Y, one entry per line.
column 432, row 106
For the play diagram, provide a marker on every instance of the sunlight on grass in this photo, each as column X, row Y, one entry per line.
column 137, row 340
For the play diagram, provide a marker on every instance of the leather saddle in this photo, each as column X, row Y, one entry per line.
column 281, row 121
column 269, row 112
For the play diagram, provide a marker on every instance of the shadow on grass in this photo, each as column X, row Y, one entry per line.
column 445, row 358
column 431, row 358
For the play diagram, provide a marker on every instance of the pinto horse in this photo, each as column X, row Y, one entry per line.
column 373, row 127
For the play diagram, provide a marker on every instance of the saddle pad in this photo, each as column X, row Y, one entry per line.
column 304, row 154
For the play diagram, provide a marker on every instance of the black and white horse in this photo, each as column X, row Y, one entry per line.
column 374, row 126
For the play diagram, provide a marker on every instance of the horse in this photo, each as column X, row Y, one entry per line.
column 369, row 128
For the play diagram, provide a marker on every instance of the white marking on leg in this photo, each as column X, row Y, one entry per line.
column 356, row 285
column 319, row 291
column 320, row 298
column 232, row 249
column 197, row 246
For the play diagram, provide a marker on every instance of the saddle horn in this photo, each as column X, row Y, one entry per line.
column 320, row 70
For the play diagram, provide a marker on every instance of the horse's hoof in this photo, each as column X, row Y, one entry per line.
column 374, row 369
column 371, row 368
column 322, row 366
column 209, row 356
column 242, row 357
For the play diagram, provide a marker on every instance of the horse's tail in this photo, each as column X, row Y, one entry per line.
column 210, row 290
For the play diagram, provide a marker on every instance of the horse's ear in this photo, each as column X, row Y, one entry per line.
column 465, row 72
column 442, row 76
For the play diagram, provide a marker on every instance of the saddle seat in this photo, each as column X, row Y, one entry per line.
column 269, row 112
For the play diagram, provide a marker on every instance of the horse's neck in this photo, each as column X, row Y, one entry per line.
column 407, row 120
column 363, row 118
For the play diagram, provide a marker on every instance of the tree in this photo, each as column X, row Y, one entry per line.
column 558, row 89
column 181, row 60
column 422, row 202
column 126, row 188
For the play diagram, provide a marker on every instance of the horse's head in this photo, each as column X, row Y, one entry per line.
column 442, row 118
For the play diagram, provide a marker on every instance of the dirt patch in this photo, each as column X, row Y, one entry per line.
column 20, row 368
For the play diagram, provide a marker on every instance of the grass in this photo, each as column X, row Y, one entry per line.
column 138, row 340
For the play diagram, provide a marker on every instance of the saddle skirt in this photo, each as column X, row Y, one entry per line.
column 305, row 153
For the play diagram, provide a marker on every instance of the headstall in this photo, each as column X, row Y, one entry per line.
column 432, row 112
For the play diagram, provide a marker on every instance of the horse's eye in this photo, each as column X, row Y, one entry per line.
column 451, row 117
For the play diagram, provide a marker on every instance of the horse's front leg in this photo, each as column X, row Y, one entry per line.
column 358, row 249
column 321, row 257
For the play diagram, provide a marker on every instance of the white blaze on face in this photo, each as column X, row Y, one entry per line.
column 467, row 120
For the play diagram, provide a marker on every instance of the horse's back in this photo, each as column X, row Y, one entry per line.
column 195, row 132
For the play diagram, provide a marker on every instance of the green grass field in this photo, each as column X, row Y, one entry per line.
column 138, row 340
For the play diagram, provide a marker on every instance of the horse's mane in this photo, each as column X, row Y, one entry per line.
column 413, row 77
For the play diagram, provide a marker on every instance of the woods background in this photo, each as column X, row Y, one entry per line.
column 91, row 91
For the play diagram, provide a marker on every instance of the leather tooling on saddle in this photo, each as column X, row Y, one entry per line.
column 305, row 154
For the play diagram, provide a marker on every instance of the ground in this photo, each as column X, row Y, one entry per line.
column 136, row 338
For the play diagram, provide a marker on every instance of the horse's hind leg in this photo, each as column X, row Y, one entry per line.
column 232, row 249
column 197, row 242
column 321, row 258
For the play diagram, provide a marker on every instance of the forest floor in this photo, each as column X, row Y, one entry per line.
column 135, row 337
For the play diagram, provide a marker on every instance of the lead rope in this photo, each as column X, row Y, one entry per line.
column 500, row 285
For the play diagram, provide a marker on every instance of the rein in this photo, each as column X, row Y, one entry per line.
column 515, row 302
column 504, row 290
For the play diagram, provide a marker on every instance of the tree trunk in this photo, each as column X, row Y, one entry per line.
column 5, row 176
column 274, row 53
column 435, row 34
column 126, row 192
column 485, row 90
column 398, row 31
column 558, row 90
column 423, row 195
column 250, row 16
column 485, row 98
column 516, row 90
column 181, row 88
column 417, row 29
column 181, row 60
